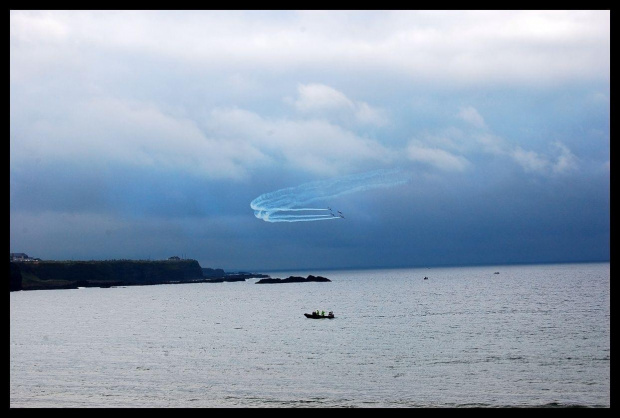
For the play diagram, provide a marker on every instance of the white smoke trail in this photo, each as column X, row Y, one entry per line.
column 282, row 205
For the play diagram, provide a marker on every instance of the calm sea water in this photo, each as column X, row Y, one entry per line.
column 531, row 336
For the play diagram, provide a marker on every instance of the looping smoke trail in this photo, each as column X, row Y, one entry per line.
column 284, row 205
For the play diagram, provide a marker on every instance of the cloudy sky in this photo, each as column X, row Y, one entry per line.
column 147, row 134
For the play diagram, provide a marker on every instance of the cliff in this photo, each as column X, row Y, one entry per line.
column 73, row 274
column 15, row 282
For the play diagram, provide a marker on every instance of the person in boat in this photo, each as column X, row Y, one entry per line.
column 322, row 313
column 331, row 313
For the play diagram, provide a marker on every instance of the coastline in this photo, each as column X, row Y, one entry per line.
column 42, row 275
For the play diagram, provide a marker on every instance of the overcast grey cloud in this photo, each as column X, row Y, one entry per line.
column 146, row 134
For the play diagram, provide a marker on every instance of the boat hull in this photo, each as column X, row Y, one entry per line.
column 315, row 316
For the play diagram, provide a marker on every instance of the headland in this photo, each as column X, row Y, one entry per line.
column 36, row 274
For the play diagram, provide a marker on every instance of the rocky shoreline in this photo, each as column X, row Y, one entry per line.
column 41, row 275
column 294, row 279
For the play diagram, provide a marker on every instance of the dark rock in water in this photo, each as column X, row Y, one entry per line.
column 294, row 279
column 235, row 277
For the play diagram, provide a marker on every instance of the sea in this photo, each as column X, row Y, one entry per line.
column 503, row 336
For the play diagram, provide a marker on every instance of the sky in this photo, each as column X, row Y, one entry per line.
column 444, row 138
